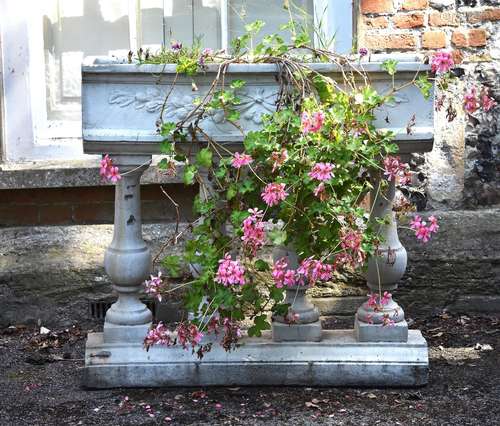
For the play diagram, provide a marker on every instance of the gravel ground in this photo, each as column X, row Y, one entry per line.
column 41, row 374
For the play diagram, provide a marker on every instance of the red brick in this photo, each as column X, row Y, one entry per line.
column 412, row 20
column 434, row 39
column 377, row 22
column 377, row 6
column 18, row 215
column 484, row 15
column 58, row 214
column 94, row 213
column 415, row 4
column 459, row 38
column 475, row 37
column 444, row 19
column 390, row 42
column 458, row 56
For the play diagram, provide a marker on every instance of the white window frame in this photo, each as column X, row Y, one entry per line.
column 22, row 123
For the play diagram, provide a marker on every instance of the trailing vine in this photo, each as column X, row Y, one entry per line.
column 298, row 182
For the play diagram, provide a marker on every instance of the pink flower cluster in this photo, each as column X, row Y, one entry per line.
column 283, row 276
column 278, row 158
column 188, row 334
column 394, row 168
column 487, row 102
column 230, row 272
column 322, row 171
column 423, row 231
column 320, row 192
column 274, row 193
column 159, row 335
column 253, row 232
column 442, row 62
column 240, row 160
column 312, row 123
column 374, row 301
column 310, row 270
column 154, row 286
column 315, row 270
column 108, row 171
column 472, row 102
column 353, row 254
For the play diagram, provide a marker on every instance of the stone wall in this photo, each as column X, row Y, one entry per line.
column 88, row 205
column 49, row 274
column 463, row 169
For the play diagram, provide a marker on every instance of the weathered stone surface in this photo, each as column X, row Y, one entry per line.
column 338, row 360
column 57, row 174
column 48, row 272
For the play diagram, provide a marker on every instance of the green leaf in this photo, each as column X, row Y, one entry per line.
column 233, row 115
column 189, row 174
column 173, row 265
column 231, row 191
column 254, row 27
column 390, row 66
column 247, row 185
column 302, row 39
column 261, row 265
column 167, row 128
column 277, row 236
column 237, row 84
column 238, row 216
column 424, row 85
column 167, row 147
column 204, row 157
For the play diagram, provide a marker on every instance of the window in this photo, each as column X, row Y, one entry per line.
column 43, row 43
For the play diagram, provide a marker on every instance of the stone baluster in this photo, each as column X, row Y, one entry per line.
column 302, row 323
column 128, row 259
column 383, row 322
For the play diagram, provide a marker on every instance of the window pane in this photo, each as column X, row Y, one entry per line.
column 185, row 20
column 73, row 29
column 242, row 12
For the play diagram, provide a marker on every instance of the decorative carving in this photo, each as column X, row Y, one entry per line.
column 253, row 103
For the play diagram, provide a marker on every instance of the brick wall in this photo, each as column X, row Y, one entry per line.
column 463, row 171
column 422, row 25
column 87, row 205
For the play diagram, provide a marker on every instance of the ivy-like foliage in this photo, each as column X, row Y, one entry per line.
column 298, row 182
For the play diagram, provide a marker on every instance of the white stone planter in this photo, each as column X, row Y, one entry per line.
column 122, row 102
column 121, row 105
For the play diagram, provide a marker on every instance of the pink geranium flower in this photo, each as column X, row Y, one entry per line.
column 487, row 102
column 108, row 171
column 230, row 272
column 471, row 102
column 394, row 168
column 278, row 158
column 159, row 335
column 240, row 160
column 442, row 62
column 154, row 286
column 386, row 298
column 253, row 232
column 312, row 123
column 322, row 171
column 114, row 174
column 274, row 193
column 320, row 192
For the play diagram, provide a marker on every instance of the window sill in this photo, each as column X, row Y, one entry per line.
column 61, row 174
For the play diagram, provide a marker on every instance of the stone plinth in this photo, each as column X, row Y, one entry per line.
column 338, row 360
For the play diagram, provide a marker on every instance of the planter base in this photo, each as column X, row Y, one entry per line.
column 381, row 333
column 338, row 360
